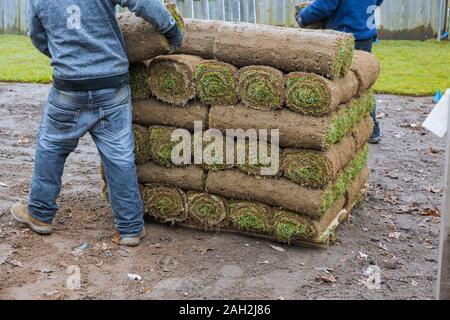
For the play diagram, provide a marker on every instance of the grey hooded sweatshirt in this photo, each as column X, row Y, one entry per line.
column 83, row 39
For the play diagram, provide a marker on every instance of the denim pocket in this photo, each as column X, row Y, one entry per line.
column 115, row 121
column 60, row 120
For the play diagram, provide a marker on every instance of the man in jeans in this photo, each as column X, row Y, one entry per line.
column 90, row 93
column 351, row 16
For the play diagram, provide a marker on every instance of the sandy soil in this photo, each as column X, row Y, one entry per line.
column 394, row 229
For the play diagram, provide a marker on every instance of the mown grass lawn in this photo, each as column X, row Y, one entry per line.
column 413, row 67
column 408, row 67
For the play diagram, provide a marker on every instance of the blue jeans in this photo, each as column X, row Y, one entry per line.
column 106, row 115
column 366, row 45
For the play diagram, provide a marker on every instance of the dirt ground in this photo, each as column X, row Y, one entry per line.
column 395, row 229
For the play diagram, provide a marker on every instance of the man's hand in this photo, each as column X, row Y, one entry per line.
column 175, row 37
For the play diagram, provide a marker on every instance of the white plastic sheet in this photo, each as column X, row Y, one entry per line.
column 436, row 122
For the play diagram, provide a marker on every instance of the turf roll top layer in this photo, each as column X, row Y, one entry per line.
column 165, row 204
column 296, row 131
column 250, row 216
column 153, row 112
column 186, row 178
column 244, row 44
column 171, row 78
column 311, row 94
column 206, row 209
column 261, row 87
column 141, row 143
column 216, row 83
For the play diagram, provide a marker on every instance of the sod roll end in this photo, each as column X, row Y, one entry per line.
column 171, row 78
column 216, row 83
column 165, row 204
column 261, row 87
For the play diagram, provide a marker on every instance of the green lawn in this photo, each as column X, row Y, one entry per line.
column 413, row 67
column 408, row 67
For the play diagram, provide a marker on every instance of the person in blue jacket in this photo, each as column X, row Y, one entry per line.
column 352, row 16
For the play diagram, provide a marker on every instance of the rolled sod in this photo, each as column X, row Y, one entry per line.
column 206, row 209
column 142, row 148
column 165, row 204
column 356, row 189
column 154, row 112
column 261, row 87
column 316, row 51
column 139, row 85
column 296, row 131
column 216, row 83
column 362, row 132
column 250, row 216
column 142, row 40
column 314, row 169
column 289, row 226
column 311, row 94
column 367, row 68
column 161, row 145
column 199, row 38
column 253, row 162
column 186, row 178
column 215, row 162
column 284, row 193
column 171, row 78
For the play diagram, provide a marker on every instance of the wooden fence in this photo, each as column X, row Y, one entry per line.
column 397, row 19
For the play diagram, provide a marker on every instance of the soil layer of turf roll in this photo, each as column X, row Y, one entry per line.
column 186, row 178
column 284, row 193
column 355, row 189
column 171, row 78
column 200, row 37
column 165, row 204
column 314, row 169
column 142, row 40
column 161, row 145
column 216, row 83
column 243, row 44
column 140, row 89
column 289, row 226
column 154, row 112
column 367, row 68
column 311, row 94
column 255, row 160
column 206, row 209
column 261, row 87
column 250, row 216
column 141, row 143
column 296, row 131
column 211, row 159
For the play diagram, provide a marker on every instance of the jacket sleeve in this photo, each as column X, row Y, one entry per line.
column 152, row 11
column 379, row 2
column 37, row 33
column 319, row 10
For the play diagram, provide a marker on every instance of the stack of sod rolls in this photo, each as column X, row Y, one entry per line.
column 238, row 79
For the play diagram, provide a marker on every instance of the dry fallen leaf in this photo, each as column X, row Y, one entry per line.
column 431, row 213
column 326, row 278
column 433, row 150
column 277, row 248
column 395, row 235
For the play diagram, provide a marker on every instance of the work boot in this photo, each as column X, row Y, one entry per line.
column 20, row 214
column 374, row 139
column 129, row 241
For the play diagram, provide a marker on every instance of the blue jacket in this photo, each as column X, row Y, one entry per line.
column 83, row 38
column 352, row 16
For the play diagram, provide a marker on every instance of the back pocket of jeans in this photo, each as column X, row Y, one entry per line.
column 116, row 120
column 60, row 121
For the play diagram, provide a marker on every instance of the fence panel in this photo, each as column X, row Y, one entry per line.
column 398, row 19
